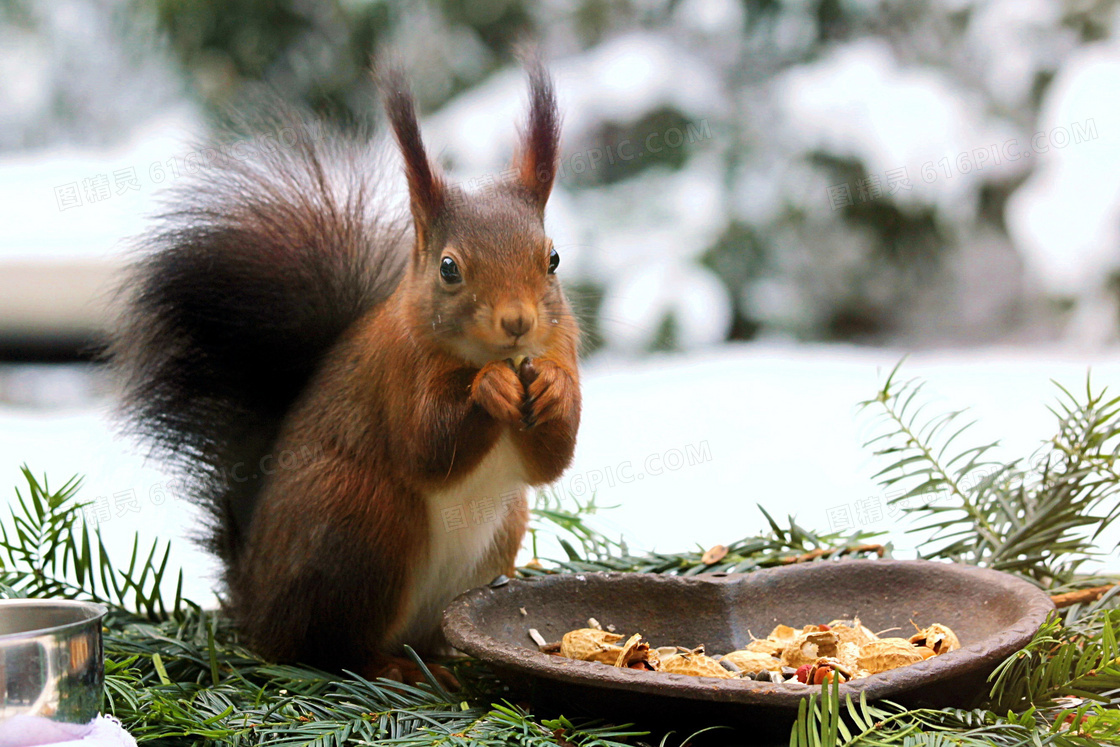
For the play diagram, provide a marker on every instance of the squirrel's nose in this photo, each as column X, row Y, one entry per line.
column 517, row 323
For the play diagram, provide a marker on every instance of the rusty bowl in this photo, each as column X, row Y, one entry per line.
column 994, row 615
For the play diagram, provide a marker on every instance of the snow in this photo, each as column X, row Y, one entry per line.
column 1011, row 41
column 620, row 79
column 1065, row 219
column 684, row 446
column 711, row 17
column 635, row 307
column 646, row 243
column 861, row 103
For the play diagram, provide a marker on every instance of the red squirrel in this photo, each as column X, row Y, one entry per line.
column 429, row 365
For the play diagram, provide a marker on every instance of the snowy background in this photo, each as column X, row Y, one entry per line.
column 762, row 206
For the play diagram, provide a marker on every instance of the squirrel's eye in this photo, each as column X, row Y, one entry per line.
column 553, row 261
column 449, row 271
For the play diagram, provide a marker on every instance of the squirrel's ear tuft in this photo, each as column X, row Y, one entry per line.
column 539, row 153
column 425, row 187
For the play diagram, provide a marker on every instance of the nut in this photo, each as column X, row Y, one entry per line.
column 840, row 651
column 827, row 669
column 925, row 651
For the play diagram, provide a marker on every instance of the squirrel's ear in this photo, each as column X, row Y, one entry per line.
column 539, row 152
column 425, row 187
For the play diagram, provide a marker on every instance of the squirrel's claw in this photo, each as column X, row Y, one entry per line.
column 547, row 393
column 527, row 374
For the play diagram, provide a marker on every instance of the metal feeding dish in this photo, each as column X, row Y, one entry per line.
column 51, row 670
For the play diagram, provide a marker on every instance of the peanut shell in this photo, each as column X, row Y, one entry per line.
column 854, row 633
column 752, row 662
column 887, row 654
column 589, row 644
column 766, row 646
column 782, row 633
column 696, row 665
column 714, row 555
column 940, row 638
column 810, row 646
column 848, row 654
column 634, row 650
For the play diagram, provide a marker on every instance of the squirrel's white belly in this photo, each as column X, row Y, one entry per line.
column 463, row 524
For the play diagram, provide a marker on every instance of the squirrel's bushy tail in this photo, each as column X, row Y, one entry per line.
column 261, row 261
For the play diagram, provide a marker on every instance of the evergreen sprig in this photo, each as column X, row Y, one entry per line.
column 1040, row 517
column 778, row 546
column 47, row 549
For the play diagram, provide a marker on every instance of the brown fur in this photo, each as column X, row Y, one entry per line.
column 411, row 400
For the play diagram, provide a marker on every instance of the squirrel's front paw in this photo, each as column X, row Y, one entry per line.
column 497, row 389
column 549, row 392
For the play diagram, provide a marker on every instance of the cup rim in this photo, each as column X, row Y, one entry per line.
column 95, row 611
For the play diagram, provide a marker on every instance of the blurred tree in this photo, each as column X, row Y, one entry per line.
column 783, row 220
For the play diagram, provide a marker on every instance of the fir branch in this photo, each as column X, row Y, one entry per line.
column 1038, row 517
column 48, row 550
column 775, row 547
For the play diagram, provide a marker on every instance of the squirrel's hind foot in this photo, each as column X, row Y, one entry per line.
column 407, row 672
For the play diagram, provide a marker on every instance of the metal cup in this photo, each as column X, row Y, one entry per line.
column 51, row 670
